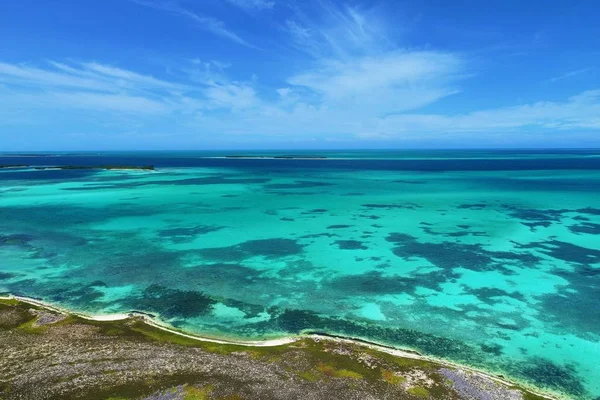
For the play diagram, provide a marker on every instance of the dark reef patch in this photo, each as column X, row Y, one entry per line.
column 473, row 206
column 576, row 309
column 187, row 234
column 15, row 240
column 461, row 233
column 350, row 245
column 587, row 227
column 580, row 218
column 83, row 296
column 589, row 210
column 535, row 218
column 534, row 225
column 373, row 283
column 315, row 211
column 544, row 373
column 369, row 216
column 454, row 254
column 298, row 321
column 490, row 295
column 98, row 284
column 528, row 214
column 268, row 248
column 171, row 303
column 223, row 278
column 494, row 349
column 339, row 226
column 316, row 235
column 297, row 185
column 565, row 251
column 7, row 275
column 407, row 206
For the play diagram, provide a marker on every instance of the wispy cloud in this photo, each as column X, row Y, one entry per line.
column 334, row 31
column 205, row 22
column 99, row 87
column 391, row 72
column 356, row 68
column 578, row 112
column 84, row 76
column 253, row 4
column 569, row 74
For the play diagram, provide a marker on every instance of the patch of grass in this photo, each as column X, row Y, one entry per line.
column 9, row 302
column 530, row 396
column 13, row 317
column 333, row 372
column 197, row 393
column 309, row 376
column 418, row 391
column 345, row 373
column 391, row 377
column 29, row 328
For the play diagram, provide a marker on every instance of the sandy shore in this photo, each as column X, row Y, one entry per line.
column 276, row 342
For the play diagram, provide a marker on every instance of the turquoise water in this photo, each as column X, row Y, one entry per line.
column 490, row 259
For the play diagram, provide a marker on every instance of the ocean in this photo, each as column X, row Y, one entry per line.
column 485, row 258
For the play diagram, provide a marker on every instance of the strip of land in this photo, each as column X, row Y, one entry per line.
column 48, row 353
column 78, row 167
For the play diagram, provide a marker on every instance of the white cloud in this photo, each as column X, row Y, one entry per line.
column 391, row 71
column 357, row 70
column 253, row 4
column 569, row 74
column 577, row 112
column 367, row 97
column 87, row 76
column 205, row 22
column 99, row 87
column 233, row 95
column 338, row 32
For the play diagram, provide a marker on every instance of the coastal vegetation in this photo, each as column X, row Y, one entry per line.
column 45, row 354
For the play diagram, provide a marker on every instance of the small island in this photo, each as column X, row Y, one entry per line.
column 78, row 167
column 280, row 157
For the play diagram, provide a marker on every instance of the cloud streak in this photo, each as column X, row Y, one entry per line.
column 569, row 74
column 209, row 24
column 253, row 4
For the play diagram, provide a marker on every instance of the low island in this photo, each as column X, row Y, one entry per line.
column 46, row 353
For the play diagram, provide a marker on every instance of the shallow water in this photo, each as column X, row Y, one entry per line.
column 491, row 259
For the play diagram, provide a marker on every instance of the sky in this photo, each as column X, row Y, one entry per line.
column 271, row 74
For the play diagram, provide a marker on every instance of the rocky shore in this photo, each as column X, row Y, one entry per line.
column 46, row 354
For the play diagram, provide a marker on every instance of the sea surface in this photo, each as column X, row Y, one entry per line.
column 485, row 258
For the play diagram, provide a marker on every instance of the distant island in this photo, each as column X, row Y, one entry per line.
column 69, row 167
column 286, row 157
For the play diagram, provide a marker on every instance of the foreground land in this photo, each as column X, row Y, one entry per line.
column 48, row 355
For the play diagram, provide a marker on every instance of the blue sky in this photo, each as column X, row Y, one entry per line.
column 210, row 74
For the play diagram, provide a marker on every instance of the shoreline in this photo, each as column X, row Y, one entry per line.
column 393, row 351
